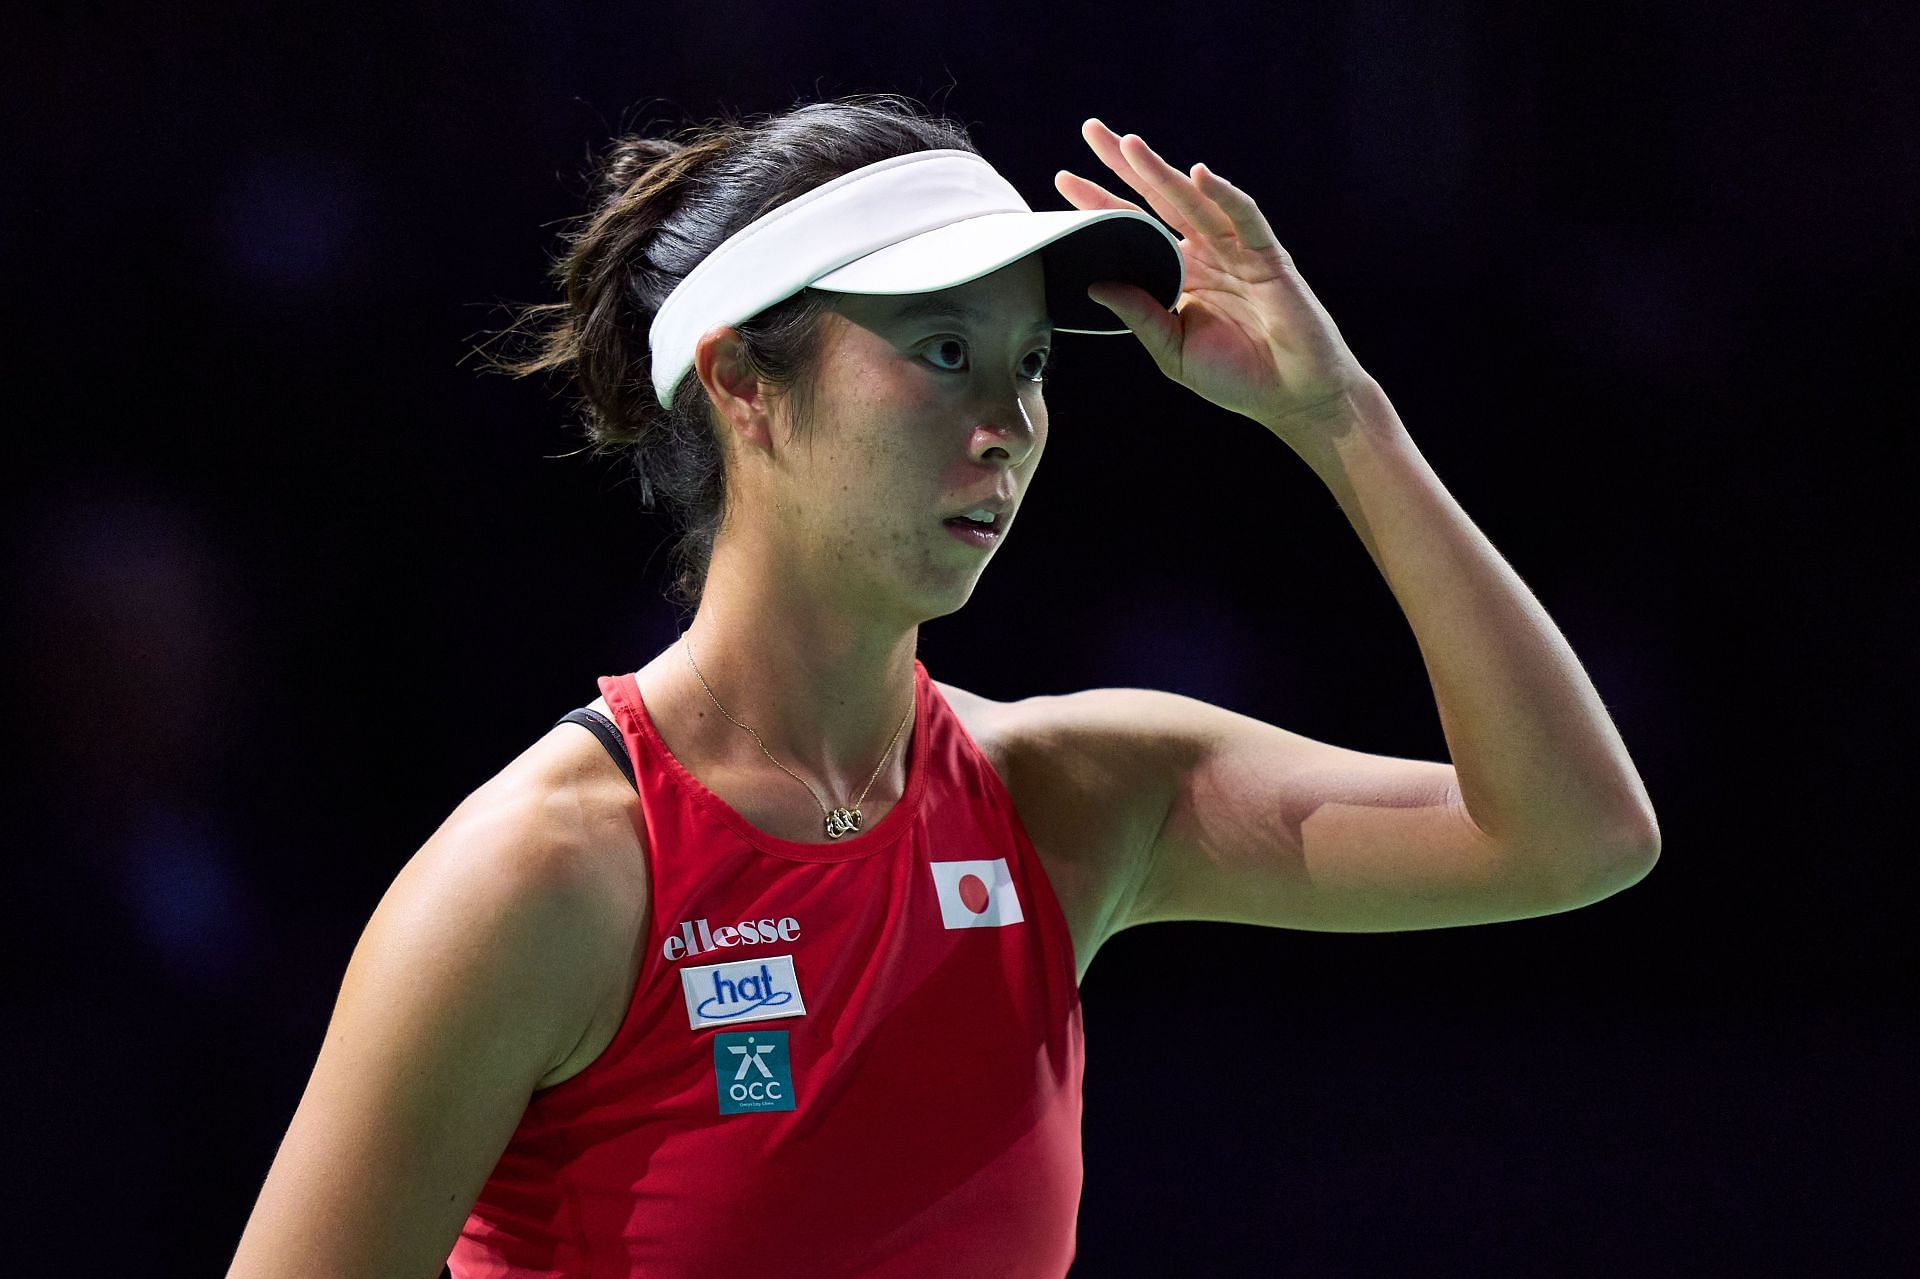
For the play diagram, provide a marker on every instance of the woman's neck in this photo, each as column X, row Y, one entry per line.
column 827, row 700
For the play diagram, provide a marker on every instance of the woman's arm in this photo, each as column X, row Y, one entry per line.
column 475, row 977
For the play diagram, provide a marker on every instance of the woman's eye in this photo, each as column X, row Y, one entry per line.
column 944, row 344
column 1035, row 368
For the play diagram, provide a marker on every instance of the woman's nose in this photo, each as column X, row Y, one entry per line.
column 1008, row 433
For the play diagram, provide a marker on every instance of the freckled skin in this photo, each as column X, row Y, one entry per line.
column 833, row 551
column 911, row 419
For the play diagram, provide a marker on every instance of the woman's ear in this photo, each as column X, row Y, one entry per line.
column 740, row 399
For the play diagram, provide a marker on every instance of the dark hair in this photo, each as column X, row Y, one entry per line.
column 659, row 206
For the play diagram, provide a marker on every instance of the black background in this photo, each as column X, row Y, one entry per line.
column 288, row 579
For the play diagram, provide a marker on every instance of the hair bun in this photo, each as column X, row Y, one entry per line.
column 632, row 158
column 658, row 207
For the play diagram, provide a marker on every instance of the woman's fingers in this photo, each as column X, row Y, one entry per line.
column 1255, row 232
column 1106, row 145
column 1090, row 195
column 1173, row 195
column 1198, row 208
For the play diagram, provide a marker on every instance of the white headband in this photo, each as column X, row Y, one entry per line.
column 910, row 224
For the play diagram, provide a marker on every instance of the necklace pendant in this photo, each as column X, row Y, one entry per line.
column 842, row 821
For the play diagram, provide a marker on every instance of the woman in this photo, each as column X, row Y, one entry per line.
column 777, row 966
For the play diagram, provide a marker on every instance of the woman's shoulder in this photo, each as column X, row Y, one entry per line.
column 1086, row 821
column 989, row 723
column 1021, row 739
column 572, row 771
column 573, row 809
column 1073, row 761
column 1030, row 725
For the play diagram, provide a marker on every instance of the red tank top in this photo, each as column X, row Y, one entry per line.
column 852, row 1058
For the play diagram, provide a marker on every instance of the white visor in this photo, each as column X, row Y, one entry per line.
column 912, row 224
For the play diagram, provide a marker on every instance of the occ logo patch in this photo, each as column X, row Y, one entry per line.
column 751, row 1071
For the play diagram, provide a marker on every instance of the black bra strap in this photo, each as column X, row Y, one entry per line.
column 608, row 733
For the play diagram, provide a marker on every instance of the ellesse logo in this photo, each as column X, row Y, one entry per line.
column 695, row 939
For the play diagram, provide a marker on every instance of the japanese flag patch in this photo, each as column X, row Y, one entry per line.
column 976, row 894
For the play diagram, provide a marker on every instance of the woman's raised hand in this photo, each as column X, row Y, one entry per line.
column 1247, row 333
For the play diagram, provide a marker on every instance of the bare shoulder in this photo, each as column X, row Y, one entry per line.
column 1105, row 746
column 566, row 786
column 561, row 814
column 476, row 976
column 1086, row 776
column 983, row 718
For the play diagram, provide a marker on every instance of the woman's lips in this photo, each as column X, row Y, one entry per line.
column 975, row 535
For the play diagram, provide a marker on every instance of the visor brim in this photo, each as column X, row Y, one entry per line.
column 1078, row 247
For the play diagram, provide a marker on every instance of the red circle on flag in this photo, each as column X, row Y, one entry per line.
column 973, row 893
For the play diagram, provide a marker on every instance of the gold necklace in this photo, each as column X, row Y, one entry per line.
column 840, row 821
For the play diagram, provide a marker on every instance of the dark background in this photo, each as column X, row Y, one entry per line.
column 288, row 579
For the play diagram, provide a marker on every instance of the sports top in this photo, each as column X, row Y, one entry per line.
column 861, row 1057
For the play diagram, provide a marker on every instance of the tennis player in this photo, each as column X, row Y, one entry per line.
column 767, row 961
